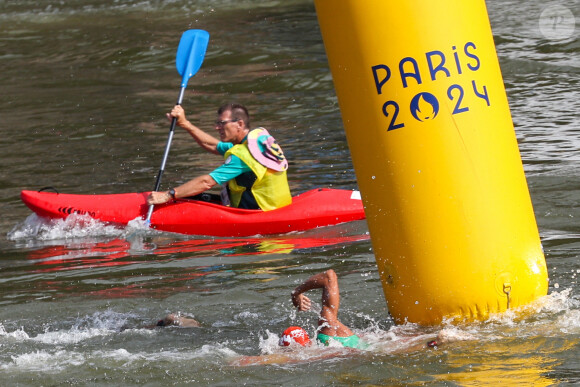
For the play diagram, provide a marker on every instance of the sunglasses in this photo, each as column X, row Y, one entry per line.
column 222, row 123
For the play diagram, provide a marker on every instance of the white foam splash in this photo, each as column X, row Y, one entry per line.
column 55, row 361
column 45, row 361
column 18, row 335
column 74, row 226
column 72, row 336
column 98, row 324
column 270, row 343
column 137, row 225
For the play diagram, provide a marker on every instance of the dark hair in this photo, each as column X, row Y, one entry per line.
column 239, row 112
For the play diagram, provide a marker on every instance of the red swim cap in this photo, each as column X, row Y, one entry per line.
column 296, row 334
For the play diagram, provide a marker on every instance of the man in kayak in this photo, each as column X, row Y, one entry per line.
column 254, row 167
column 330, row 329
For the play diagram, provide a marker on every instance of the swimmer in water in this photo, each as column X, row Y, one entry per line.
column 330, row 329
column 178, row 321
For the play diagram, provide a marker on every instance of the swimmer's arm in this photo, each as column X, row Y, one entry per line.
column 327, row 281
column 302, row 302
column 281, row 358
column 418, row 343
column 275, row 358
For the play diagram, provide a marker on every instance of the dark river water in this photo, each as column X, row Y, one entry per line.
column 85, row 87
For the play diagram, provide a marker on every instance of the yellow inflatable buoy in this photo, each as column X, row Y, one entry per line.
column 436, row 157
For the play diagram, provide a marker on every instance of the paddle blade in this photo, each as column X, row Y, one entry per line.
column 190, row 53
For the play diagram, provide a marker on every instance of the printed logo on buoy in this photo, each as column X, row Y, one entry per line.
column 436, row 66
column 424, row 106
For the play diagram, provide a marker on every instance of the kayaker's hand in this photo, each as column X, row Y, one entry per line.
column 302, row 302
column 179, row 113
column 158, row 198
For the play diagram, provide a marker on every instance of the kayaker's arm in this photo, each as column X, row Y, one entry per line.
column 193, row 187
column 205, row 140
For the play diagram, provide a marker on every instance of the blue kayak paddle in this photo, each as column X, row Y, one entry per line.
column 190, row 54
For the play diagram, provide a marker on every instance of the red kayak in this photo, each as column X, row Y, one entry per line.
column 316, row 208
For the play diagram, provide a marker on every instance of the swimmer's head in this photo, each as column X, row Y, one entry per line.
column 296, row 334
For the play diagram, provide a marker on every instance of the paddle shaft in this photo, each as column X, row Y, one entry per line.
column 166, row 154
column 190, row 54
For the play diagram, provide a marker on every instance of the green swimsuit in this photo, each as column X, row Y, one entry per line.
column 351, row 341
